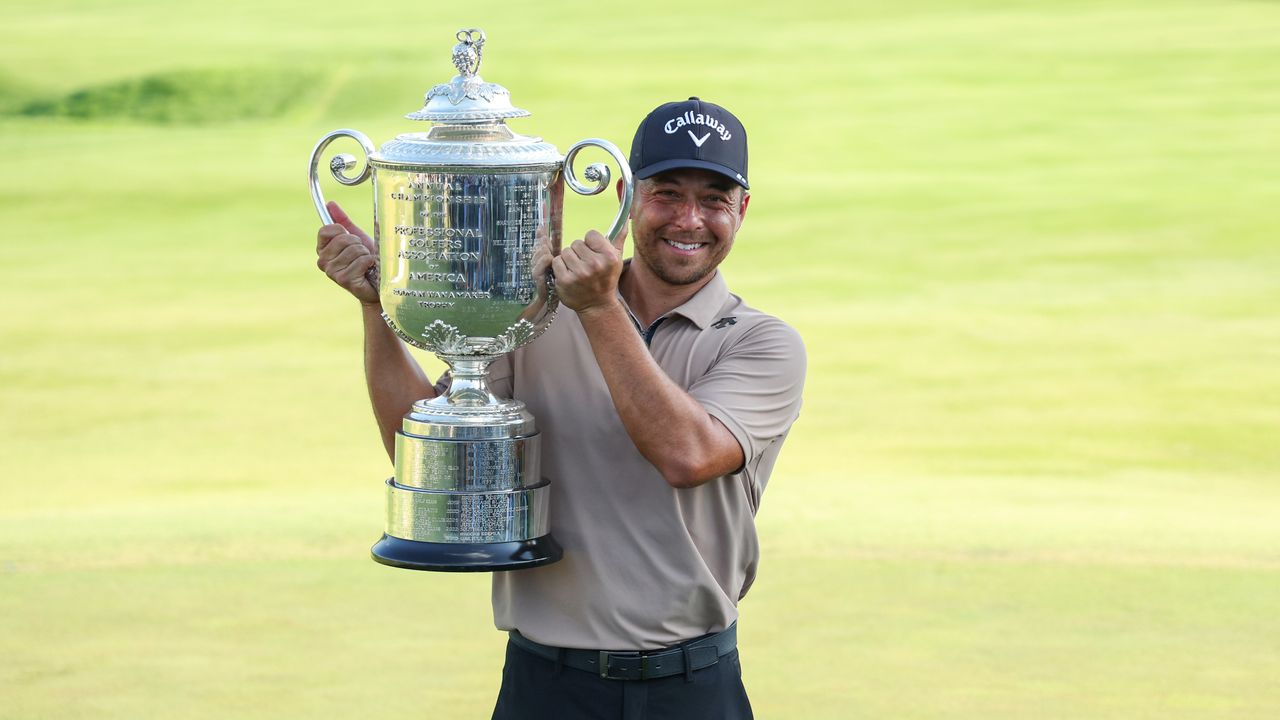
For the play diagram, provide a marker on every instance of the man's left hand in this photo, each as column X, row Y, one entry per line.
column 587, row 272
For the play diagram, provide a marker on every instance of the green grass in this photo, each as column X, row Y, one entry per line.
column 184, row 97
column 1031, row 247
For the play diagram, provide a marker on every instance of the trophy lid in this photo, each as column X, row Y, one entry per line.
column 468, row 98
column 469, row 117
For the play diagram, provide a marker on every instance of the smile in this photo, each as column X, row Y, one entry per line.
column 686, row 247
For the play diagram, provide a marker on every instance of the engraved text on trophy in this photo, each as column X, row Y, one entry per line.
column 459, row 247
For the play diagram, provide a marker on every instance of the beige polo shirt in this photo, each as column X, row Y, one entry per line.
column 646, row 565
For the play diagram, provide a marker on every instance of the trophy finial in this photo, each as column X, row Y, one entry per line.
column 467, row 98
column 468, row 52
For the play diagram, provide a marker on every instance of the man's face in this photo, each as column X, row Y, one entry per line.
column 683, row 222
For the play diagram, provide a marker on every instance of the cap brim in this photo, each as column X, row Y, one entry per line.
column 651, row 170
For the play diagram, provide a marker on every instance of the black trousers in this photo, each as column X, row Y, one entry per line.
column 534, row 688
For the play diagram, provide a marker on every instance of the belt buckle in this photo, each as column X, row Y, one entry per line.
column 605, row 656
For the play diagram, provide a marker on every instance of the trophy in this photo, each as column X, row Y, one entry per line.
column 467, row 217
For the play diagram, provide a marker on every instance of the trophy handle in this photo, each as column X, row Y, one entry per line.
column 338, row 166
column 598, row 174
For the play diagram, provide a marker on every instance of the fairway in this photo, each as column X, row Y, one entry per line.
column 1032, row 248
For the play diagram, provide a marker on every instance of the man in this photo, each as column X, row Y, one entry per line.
column 663, row 401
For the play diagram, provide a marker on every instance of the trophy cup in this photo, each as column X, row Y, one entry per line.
column 467, row 216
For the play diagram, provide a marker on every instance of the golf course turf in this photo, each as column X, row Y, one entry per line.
column 1033, row 248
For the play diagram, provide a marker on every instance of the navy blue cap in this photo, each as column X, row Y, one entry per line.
column 690, row 134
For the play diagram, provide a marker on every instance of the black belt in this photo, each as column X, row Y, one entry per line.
column 648, row 665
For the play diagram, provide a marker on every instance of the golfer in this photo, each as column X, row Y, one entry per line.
column 663, row 400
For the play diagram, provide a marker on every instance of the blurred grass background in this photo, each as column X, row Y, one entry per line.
column 1032, row 247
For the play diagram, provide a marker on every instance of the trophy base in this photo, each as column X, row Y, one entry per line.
column 466, row 557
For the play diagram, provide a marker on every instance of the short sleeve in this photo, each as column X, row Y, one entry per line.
column 755, row 386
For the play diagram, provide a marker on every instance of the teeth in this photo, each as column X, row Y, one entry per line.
column 684, row 246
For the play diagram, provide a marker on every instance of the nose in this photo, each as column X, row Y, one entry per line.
column 688, row 215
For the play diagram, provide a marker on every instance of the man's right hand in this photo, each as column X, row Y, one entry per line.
column 346, row 254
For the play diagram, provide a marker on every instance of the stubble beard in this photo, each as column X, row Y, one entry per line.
column 674, row 275
column 650, row 253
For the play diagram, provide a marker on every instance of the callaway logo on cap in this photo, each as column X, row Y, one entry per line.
column 692, row 134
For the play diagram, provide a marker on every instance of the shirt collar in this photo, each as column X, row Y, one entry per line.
column 703, row 308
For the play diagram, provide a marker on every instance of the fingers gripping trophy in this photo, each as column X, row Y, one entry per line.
column 467, row 217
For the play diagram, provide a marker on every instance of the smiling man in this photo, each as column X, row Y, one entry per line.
column 663, row 401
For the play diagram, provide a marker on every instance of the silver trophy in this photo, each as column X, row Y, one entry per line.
column 467, row 216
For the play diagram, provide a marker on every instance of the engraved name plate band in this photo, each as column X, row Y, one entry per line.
column 467, row 217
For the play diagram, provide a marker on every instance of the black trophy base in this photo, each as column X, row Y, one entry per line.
column 467, row 557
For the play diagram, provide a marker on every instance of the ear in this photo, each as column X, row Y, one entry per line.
column 619, row 188
column 742, row 208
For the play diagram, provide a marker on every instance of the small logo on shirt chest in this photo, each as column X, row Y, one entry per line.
column 725, row 322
